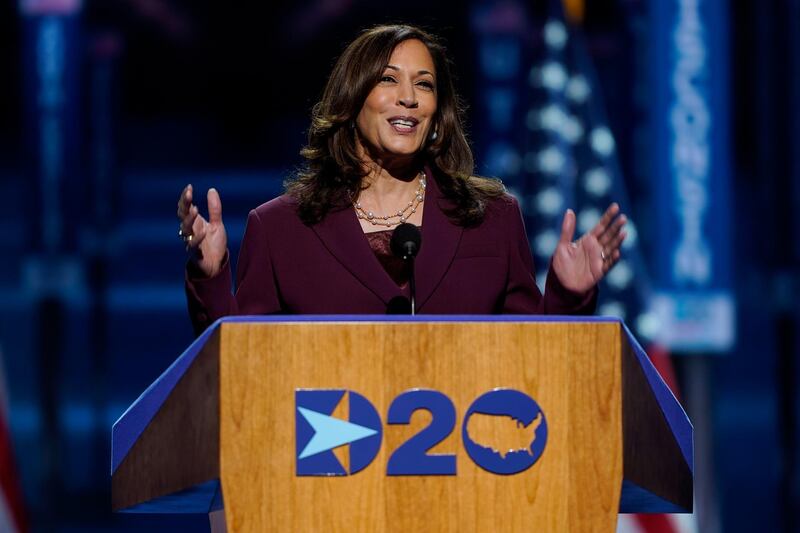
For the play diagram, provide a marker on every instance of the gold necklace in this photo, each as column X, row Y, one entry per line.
column 401, row 216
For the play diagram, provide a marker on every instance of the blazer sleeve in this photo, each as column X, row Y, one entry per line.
column 523, row 295
column 256, row 293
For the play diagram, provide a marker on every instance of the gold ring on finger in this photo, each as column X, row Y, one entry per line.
column 185, row 236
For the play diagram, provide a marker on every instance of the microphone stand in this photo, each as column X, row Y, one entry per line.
column 412, row 284
column 405, row 243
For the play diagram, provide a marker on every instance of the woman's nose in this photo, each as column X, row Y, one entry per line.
column 407, row 97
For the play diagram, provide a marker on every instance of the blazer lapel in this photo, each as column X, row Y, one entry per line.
column 440, row 239
column 341, row 234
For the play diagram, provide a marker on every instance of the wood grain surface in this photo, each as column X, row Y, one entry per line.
column 573, row 372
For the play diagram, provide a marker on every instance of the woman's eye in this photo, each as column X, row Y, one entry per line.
column 388, row 79
column 426, row 84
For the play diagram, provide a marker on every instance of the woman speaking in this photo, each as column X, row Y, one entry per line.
column 386, row 146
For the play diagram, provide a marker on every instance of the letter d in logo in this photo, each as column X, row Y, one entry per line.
column 318, row 432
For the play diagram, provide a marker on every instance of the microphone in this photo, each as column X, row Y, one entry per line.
column 406, row 242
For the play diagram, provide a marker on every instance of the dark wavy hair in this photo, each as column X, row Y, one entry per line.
column 332, row 174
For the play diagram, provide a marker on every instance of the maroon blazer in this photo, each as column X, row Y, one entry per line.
column 288, row 267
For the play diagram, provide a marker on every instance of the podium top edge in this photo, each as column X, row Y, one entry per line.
column 416, row 318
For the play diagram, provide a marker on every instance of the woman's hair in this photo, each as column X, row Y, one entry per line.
column 332, row 174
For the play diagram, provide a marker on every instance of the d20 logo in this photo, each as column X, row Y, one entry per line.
column 319, row 432
column 504, row 431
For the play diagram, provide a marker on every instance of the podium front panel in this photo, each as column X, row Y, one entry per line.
column 570, row 370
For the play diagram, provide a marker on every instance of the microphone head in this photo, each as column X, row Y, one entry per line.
column 406, row 240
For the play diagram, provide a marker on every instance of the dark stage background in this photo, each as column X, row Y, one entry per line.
column 686, row 112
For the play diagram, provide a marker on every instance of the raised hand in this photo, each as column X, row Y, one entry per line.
column 205, row 240
column 580, row 265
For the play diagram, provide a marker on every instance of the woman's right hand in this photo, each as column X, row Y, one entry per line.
column 205, row 240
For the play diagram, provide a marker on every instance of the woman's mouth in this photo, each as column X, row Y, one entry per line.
column 404, row 125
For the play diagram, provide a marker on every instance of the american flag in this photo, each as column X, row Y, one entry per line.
column 11, row 507
column 569, row 159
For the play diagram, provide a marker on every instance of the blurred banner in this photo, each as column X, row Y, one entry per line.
column 690, row 165
column 500, row 29
column 51, row 51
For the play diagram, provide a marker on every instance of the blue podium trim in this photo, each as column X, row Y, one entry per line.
column 200, row 499
column 130, row 425
column 635, row 499
column 676, row 417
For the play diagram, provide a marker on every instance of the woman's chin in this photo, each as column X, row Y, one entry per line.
column 393, row 151
column 405, row 148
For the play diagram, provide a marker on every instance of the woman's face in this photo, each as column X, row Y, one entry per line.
column 397, row 115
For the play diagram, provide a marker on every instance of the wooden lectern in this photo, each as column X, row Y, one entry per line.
column 224, row 420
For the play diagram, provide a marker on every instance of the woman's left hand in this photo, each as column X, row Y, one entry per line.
column 580, row 265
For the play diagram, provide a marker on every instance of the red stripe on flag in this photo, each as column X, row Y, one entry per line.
column 656, row 523
column 9, row 482
column 660, row 358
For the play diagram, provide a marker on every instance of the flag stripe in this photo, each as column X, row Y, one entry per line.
column 11, row 506
column 656, row 523
column 661, row 359
column 7, row 523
